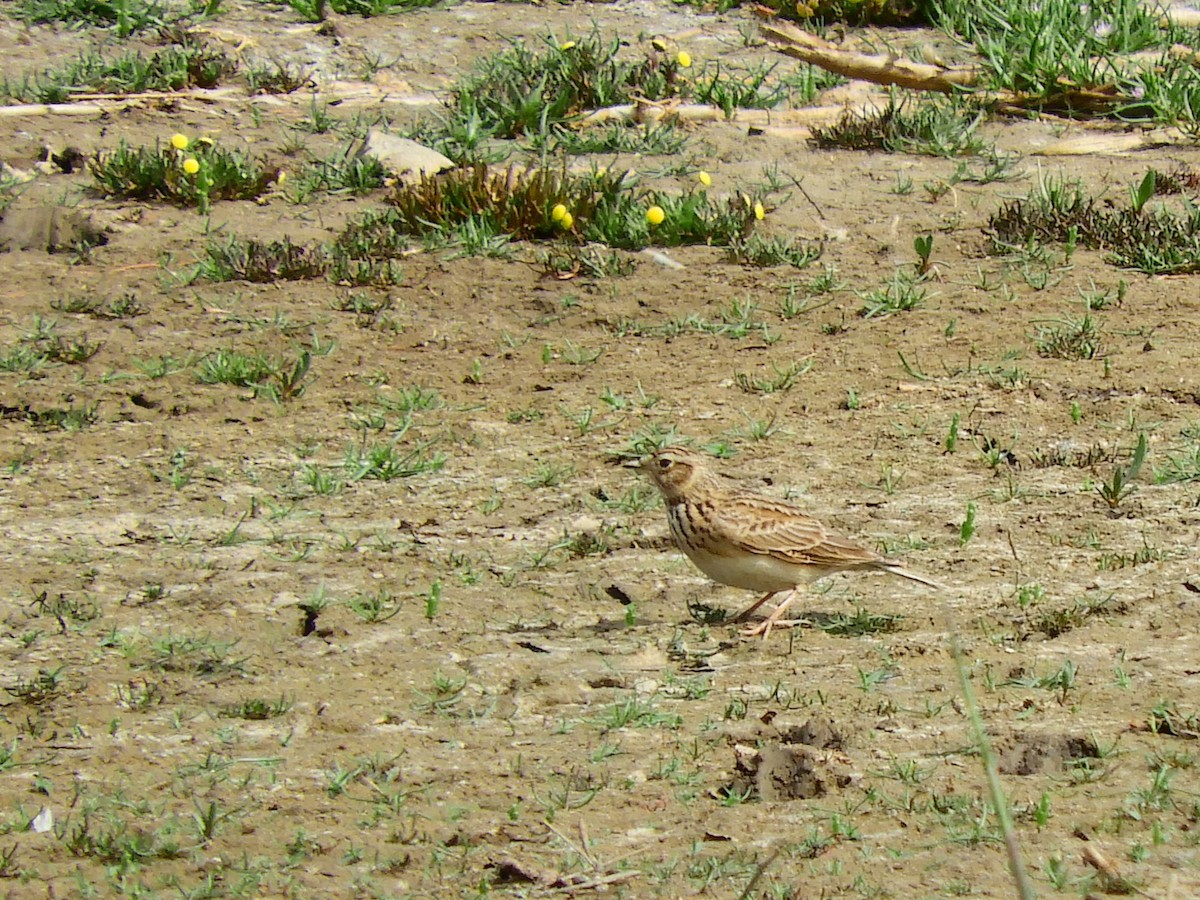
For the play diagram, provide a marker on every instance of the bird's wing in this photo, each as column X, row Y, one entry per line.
column 778, row 529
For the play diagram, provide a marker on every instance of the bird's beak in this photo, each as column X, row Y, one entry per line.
column 638, row 464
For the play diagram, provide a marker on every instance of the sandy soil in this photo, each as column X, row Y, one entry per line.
column 544, row 701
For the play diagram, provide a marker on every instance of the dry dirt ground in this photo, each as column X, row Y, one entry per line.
column 514, row 685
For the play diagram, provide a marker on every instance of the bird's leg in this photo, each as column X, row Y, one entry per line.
column 775, row 618
column 741, row 617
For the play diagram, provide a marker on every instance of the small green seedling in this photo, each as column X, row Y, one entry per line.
column 951, row 441
column 433, row 600
column 923, row 244
column 1119, row 485
column 1139, row 196
column 966, row 530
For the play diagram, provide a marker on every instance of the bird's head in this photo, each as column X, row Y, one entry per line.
column 674, row 471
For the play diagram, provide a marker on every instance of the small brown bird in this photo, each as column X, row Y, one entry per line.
column 749, row 541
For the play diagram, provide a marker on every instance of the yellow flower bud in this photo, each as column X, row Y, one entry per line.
column 280, row 177
column 179, row 141
column 655, row 215
column 705, row 179
column 191, row 166
column 559, row 212
column 759, row 212
column 566, row 45
column 659, row 44
column 684, row 59
column 566, row 222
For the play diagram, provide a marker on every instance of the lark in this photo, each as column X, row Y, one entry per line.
column 750, row 541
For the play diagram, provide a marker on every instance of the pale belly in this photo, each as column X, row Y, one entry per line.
column 753, row 573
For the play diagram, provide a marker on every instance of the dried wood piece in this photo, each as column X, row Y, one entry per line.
column 881, row 68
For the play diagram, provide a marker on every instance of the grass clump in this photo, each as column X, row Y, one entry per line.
column 10, row 185
column 375, row 235
column 538, row 91
column 57, row 418
column 904, row 13
column 256, row 709
column 193, row 654
column 317, row 10
column 1113, row 58
column 1054, row 621
column 188, row 173
column 43, row 344
column 1055, row 210
column 22, row 358
column 262, row 262
column 757, row 250
column 126, row 306
column 525, row 90
column 174, row 68
column 903, row 292
column 386, row 461
column 514, row 202
column 279, row 380
column 108, row 838
column 543, row 203
column 930, row 127
column 650, row 139
column 127, row 16
column 565, row 261
column 1157, row 240
column 1069, row 338
column 861, row 623
column 1168, row 718
column 265, row 262
column 277, row 77
column 344, row 172
column 1052, row 48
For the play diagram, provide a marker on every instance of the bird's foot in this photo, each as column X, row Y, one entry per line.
column 749, row 610
column 764, row 627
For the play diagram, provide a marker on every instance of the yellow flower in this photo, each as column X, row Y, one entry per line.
column 280, row 177
column 558, row 213
column 759, row 212
column 684, row 59
column 191, row 166
column 655, row 215
column 566, row 221
column 179, row 141
column 566, row 46
column 705, row 179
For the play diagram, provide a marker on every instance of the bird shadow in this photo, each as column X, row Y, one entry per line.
column 855, row 624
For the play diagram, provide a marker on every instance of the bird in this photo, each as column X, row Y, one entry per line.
column 751, row 541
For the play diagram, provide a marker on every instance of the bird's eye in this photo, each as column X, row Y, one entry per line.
column 664, row 464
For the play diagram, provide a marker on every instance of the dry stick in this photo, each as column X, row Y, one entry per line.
column 995, row 789
column 644, row 112
column 97, row 104
column 758, row 873
column 882, row 68
column 582, row 850
column 594, row 883
column 64, row 109
column 800, row 188
column 890, row 69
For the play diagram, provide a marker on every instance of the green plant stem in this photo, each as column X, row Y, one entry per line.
column 1015, row 864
